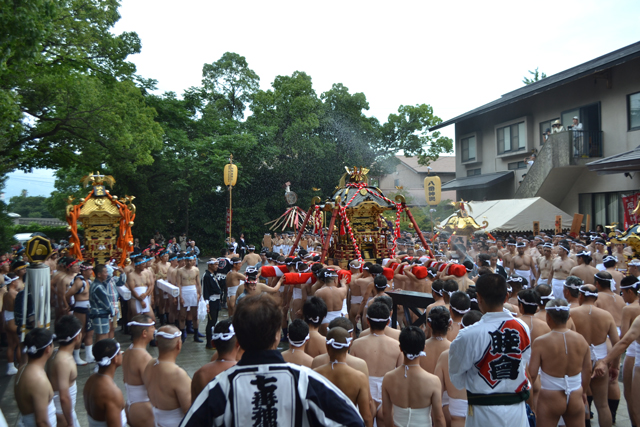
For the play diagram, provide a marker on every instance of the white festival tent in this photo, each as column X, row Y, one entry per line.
column 516, row 215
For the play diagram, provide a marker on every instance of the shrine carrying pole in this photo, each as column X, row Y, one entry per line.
column 327, row 242
column 415, row 226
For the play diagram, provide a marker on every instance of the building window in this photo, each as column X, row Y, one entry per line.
column 543, row 128
column 633, row 108
column 511, row 138
column 603, row 208
column 468, row 149
column 473, row 172
column 396, row 182
column 517, row 165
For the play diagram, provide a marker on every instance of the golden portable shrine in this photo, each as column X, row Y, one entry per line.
column 357, row 229
column 106, row 221
column 461, row 223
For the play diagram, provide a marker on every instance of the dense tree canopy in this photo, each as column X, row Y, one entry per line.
column 29, row 206
column 70, row 100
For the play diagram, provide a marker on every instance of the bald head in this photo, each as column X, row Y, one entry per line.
column 168, row 338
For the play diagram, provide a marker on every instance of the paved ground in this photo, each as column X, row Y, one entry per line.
column 192, row 357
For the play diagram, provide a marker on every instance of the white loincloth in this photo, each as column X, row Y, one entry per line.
column 297, row 293
column 190, row 296
column 141, row 290
column 73, row 393
column 632, row 350
column 171, row 418
column 526, row 274
column 344, row 311
column 94, row 423
column 458, row 407
column 557, row 285
column 598, row 352
column 409, row 417
column 331, row 315
column 232, row 291
column 601, row 267
column 542, row 281
column 509, row 415
column 445, row 398
column 29, row 420
column 8, row 315
column 356, row 299
column 136, row 394
column 375, row 387
column 567, row 384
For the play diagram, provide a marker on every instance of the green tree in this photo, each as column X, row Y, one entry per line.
column 535, row 76
column 229, row 84
column 6, row 230
column 71, row 91
column 29, row 206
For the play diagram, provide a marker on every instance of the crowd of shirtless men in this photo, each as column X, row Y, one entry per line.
column 571, row 304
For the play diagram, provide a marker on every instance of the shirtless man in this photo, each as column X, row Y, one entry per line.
column 62, row 371
column 353, row 383
column 188, row 280
column 171, row 278
column 595, row 325
column 437, row 292
column 224, row 338
column 358, row 287
column 313, row 311
column 410, row 395
column 69, row 267
column 614, row 304
column 459, row 305
column 417, row 278
column 381, row 353
column 140, row 291
column 234, row 278
column 507, row 255
column 438, row 322
column 377, row 289
column 251, row 259
column 355, row 362
column 32, row 389
column 160, row 269
column 388, row 330
column 584, row 270
column 298, row 335
column 600, row 253
column 10, row 327
column 545, row 265
column 79, row 290
column 168, row 385
column 563, row 359
column 103, row 400
column 629, row 287
column 457, row 399
column 332, row 295
column 610, row 263
column 134, row 362
column 522, row 264
column 562, row 266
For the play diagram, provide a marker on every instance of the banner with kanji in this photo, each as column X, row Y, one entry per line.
column 629, row 204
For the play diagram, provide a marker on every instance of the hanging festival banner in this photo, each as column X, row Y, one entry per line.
column 432, row 190
column 536, row 228
column 576, row 225
column 629, row 204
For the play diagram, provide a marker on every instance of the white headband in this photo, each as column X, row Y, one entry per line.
column 560, row 246
column 33, row 349
column 224, row 336
column 379, row 320
column 415, row 356
column 134, row 323
column 517, row 279
column 588, row 293
column 527, row 302
column 559, row 308
column 106, row 361
column 584, row 253
column 633, row 285
column 460, row 311
column 167, row 335
column 550, row 296
column 212, row 261
column 474, row 300
column 314, row 319
column 68, row 339
column 339, row 345
column 610, row 258
column 299, row 343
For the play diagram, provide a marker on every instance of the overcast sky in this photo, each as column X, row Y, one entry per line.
column 454, row 56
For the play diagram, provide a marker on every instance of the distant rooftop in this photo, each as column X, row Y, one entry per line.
column 596, row 65
column 444, row 164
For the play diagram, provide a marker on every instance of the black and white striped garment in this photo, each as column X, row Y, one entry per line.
column 264, row 391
